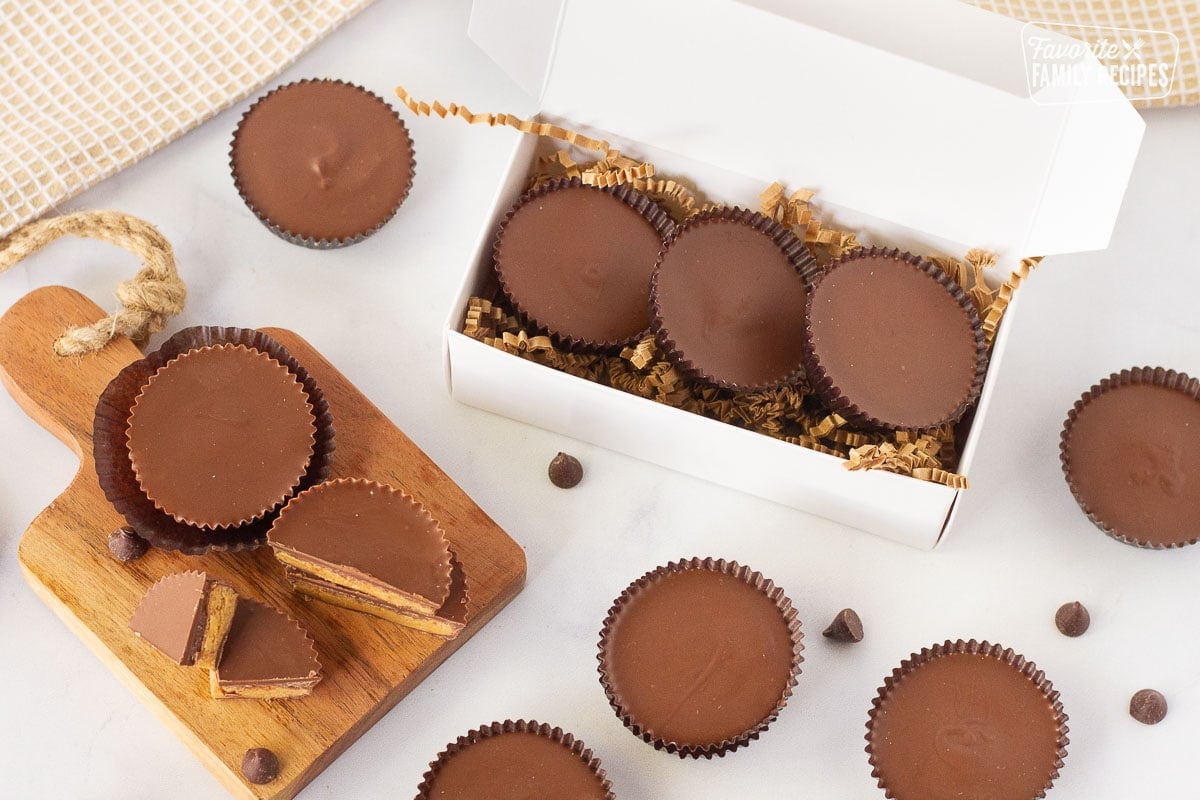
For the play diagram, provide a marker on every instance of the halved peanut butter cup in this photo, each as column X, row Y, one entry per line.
column 355, row 539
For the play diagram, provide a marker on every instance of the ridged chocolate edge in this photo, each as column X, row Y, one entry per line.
column 567, row 740
column 422, row 512
column 832, row 396
column 1008, row 656
column 748, row 576
column 115, row 471
column 658, row 218
column 308, row 241
column 793, row 248
column 462, row 610
column 263, row 511
column 1134, row 376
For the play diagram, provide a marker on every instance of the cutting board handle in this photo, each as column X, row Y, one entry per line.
column 59, row 392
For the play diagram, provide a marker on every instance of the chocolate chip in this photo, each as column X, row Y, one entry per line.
column 125, row 545
column 260, row 765
column 565, row 471
column 1148, row 707
column 846, row 627
column 1072, row 619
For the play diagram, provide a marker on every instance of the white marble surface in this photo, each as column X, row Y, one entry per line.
column 69, row 729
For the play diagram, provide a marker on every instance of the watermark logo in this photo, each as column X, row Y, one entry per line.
column 1081, row 63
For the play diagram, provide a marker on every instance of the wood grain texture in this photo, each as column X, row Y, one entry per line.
column 369, row 664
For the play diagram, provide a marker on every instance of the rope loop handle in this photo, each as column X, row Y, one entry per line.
column 154, row 295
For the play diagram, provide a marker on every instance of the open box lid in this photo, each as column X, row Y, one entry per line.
column 917, row 114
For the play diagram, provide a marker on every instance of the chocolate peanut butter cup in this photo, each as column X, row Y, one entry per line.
column 893, row 342
column 114, row 468
column 322, row 163
column 515, row 761
column 267, row 655
column 186, row 617
column 220, row 436
column 1130, row 451
column 447, row 622
column 698, row 657
column 966, row 719
column 727, row 300
column 353, row 539
column 575, row 261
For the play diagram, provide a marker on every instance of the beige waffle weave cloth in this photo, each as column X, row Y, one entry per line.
column 90, row 86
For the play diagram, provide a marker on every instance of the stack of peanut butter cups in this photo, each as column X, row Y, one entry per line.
column 199, row 444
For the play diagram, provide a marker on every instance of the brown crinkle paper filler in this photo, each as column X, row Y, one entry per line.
column 790, row 413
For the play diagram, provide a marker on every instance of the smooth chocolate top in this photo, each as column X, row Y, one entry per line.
column 515, row 766
column 577, row 261
column 220, row 436
column 371, row 531
column 1134, row 455
column 265, row 645
column 965, row 725
column 171, row 615
column 323, row 159
column 895, row 342
column 732, row 302
column 698, row 657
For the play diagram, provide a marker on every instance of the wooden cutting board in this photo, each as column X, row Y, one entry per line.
column 369, row 664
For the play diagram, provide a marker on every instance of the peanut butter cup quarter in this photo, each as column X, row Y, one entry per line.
column 220, row 436
column 1131, row 454
column 728, row 297
column 966, row 719
column 893, row 342
column 576, row 260
column 267, row 655
column 322, row 163
column 698, row 657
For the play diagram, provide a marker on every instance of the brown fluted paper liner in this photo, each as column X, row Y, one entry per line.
column 458, row 604
column 568, row 741
column 744, row 574
column 790, row 413
column 115, row 471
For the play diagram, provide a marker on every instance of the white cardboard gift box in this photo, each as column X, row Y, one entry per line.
column 914, row 124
